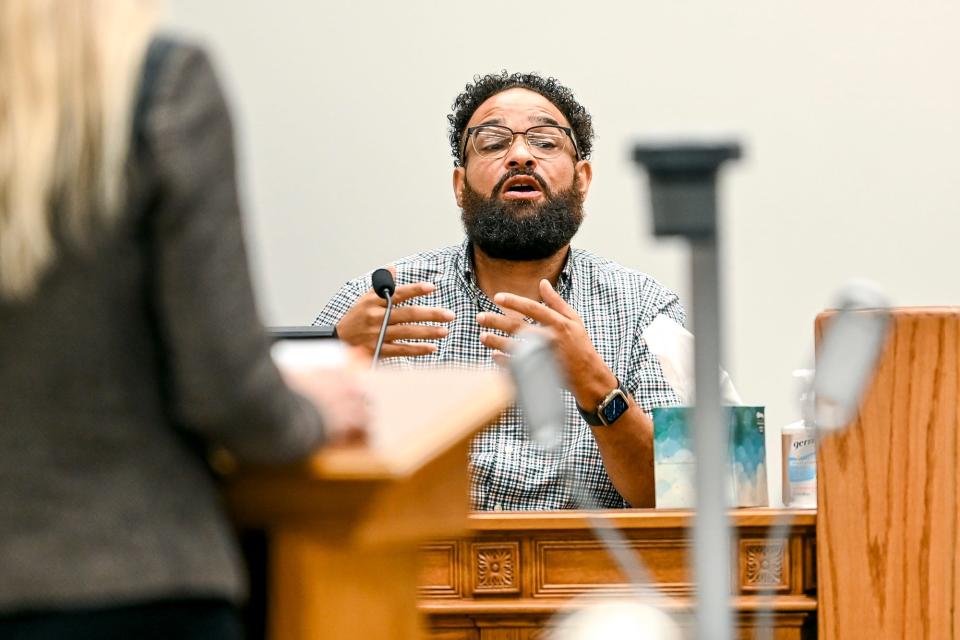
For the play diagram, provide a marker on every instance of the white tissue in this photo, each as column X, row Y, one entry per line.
column 673, row 346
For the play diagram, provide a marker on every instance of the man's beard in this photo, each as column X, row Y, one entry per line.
column 521, row 229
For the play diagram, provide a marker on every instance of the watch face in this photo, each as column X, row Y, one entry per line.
column 615, row 408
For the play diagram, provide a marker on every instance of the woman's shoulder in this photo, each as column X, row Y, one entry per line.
column 174, row 67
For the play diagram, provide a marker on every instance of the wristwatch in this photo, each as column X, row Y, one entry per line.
column 613, row 406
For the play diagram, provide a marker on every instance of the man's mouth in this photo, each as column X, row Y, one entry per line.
column 521, row 188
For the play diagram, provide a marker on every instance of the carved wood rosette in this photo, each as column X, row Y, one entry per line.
column 764, row 565
column 496, row 567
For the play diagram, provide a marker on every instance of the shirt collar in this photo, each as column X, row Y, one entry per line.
column 565, row 280
column 468, row 277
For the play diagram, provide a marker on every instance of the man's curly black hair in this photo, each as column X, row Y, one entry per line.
column 483, row 87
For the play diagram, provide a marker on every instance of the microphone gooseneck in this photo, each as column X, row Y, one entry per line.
column 384, row 286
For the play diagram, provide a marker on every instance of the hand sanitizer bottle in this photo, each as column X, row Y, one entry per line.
column 799, row 450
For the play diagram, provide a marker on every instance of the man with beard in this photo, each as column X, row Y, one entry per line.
column 521, row 144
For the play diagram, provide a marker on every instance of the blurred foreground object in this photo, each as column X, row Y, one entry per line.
column 605, row 620
column 539, row 385
column 682, row 179
column 848, row 352
column 129, row 335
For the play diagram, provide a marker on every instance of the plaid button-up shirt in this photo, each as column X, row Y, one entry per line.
column 508, row 470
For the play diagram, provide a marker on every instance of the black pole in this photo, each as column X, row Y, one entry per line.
column 683, row 180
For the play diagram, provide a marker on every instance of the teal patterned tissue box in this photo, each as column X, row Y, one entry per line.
column 674, row 465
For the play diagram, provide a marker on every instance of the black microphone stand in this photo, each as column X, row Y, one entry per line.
column 683, row 178
column 384, row 293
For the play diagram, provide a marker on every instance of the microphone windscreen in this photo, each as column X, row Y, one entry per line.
column 848, row 353
column 539, row 383
column 383, row 281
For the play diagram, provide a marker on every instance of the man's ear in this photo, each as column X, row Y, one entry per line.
column 459, row 179
column 584, row 172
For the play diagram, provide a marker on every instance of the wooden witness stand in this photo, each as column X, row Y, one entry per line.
column 343, row 528
column 887, row 527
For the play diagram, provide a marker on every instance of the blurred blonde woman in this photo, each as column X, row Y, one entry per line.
column 128, row 332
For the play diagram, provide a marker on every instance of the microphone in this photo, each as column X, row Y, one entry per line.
column 539, row 384
column 384, row 286
column 848, row 355
column 383, row 283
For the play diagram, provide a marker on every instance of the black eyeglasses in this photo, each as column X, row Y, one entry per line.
column 544, row 141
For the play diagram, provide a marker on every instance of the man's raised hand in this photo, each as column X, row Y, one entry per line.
column 587, row 374
column 360, row 326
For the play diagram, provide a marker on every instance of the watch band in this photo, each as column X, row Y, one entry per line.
column 592, row 418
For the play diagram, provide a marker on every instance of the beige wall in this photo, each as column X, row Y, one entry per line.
column 848, row 110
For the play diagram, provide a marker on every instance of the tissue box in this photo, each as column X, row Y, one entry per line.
column 674, row 463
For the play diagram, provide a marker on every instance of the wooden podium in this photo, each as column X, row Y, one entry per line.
column 888, row 523
column 344, row 527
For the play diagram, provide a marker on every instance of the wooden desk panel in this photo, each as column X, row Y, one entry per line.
column 515, row 571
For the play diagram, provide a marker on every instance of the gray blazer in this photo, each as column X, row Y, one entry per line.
column 131, row 352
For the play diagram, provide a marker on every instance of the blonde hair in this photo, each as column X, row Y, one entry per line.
column 69, row 70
